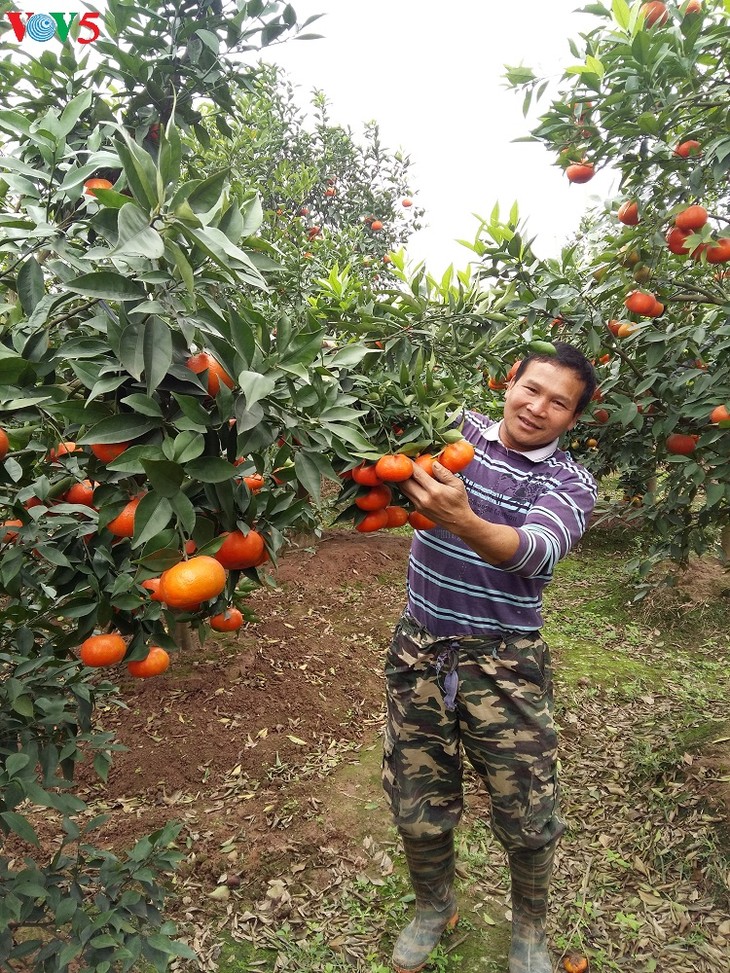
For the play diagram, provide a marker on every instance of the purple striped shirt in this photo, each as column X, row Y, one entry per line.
column 544, row 495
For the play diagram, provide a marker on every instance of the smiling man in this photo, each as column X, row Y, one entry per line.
column 468, row 670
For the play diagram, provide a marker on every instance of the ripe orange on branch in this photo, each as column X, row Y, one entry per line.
column 397, row 516
column 688, row 148
column 123, row 523
column 425, row 461
column 103, row 650
column 191, row 582
column 394, row 468
column 228, row 621
column 4, row 444
column 91, row 185
column 719, row 253
column 580, row 172
column 655, row 13
column 81, row 494
column 644, row 303
column 377, row 498
column 216, row 372
column 676, row 239
column 153, row 586
column 719, row 414
column 456, row 456
column 375, row 520
column 239, row 551
column 106, row 452
column 681, row 444
column 62, row 450
column 628, row 213
column 365, row 475
column 691, row 218
column 156, row 662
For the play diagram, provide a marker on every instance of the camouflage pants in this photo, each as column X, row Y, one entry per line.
column 494, row 699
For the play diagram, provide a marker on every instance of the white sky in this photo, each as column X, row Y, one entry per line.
column 430, row 73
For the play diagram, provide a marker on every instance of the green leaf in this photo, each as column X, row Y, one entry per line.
column 188, row 445
column 195, row 415
column 140, row 172
column 20, row 826
column 108, row 286
column 210, row 469
column 255, row 386
column 136, row 236
column 31, row 287
column 152, row 516
column 119, row 429
column 157, row 352
column 165, row 477
column 143, row 404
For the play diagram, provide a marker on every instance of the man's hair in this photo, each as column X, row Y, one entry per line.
column 567, row 356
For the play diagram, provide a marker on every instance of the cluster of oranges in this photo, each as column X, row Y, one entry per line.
column 392, row 468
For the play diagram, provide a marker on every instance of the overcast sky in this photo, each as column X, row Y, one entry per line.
column 430, row 73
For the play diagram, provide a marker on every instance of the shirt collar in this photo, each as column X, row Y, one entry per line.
column 492, row 435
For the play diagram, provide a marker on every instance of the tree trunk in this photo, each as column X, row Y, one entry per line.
column 186, row 637
column 725, row 541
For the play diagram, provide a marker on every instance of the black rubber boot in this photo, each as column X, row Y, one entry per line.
column 530, row 871
column 431, row 864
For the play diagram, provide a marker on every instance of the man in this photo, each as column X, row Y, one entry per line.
column 467, row 666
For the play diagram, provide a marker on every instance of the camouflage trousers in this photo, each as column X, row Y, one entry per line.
column 491, row 699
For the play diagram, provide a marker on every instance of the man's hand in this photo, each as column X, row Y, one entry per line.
column 442, row 497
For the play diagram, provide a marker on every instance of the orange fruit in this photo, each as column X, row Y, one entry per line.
column 63, row 449
column 495, row 384
column 692, row 218
column 591, row 443
column 153, row 586
column 513, row 370
column 123, row 523
column 254, row 481
column 228, row 621
column 8, row 536
column 203, row 362
column 425, row 461
column 406, row 202
column 376, row 498
column 155, row 662
column 376, row 226
column 81, row 494
column 314, row 231
column 394, row 468
column 613, row 326
column 93, row 184
column 106, row 452
column 641, row 302
column 191, row 582
column 601, row 415
column 628, row 213
column 456, row 456
column 190, row 547
column 4, row 444
column 675, row 241
column 719, row 253
column 719, row 414
column 681, row 444
column 580, row 172
column 690, row 147
column 627, row 328
column 693, row 7
column 575, row 963
column 239, row 551
column 655, row 13
column 397, row 516
column 375, row 520
column 103, row 650
column 420, row 521
column 365, row 475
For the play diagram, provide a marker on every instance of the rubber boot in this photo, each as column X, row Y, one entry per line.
column 530, row 871
column 431, row 863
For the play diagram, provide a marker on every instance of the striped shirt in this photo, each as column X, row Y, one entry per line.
column 544, row 495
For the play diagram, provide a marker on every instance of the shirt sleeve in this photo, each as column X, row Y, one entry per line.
column 556, row 522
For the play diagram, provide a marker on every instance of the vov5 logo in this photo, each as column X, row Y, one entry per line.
column 46, row 26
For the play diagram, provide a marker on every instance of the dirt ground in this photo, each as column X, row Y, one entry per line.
column 233, row 739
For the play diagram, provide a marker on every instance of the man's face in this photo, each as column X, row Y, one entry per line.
column 540, row 405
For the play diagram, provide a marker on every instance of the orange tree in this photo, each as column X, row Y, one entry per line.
column 119, row 450
column 647, row 98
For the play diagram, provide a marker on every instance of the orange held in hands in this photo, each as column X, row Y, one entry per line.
column 397, row 516
column 365, row 475
column 156, row 661
column 377, row 498
column 456, row 456
column 375, row 520
column 420, row 521
column 216, row 372
column 103, row 650
column 190, row 582
column 394, row 468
